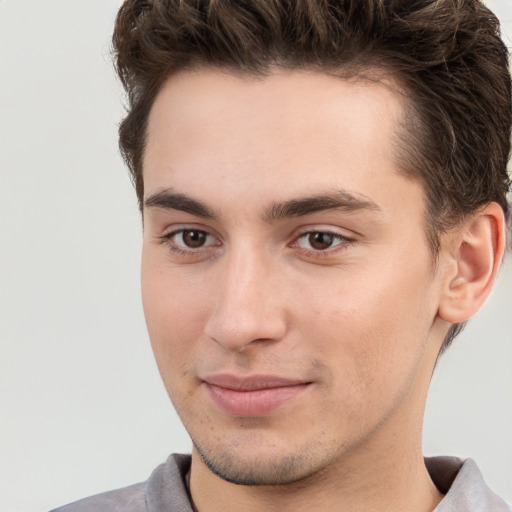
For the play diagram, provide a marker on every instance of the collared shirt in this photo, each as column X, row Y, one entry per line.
column 166, row 490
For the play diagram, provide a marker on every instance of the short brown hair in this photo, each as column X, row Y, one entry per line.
column 446, row 56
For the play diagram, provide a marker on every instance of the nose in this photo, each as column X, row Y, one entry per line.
column 249, row 305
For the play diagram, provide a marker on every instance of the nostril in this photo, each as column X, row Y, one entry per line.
column 237, row 332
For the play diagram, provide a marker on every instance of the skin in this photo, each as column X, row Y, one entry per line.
column 343, row 299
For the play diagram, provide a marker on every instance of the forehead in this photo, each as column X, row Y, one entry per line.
column 276, row 137
column 308, row 104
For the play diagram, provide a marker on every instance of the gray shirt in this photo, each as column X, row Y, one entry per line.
column 165, row 490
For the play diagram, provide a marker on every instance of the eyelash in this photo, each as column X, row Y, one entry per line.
column 167, row 239
column 343, row 243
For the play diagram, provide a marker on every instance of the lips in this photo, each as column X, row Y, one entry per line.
column 252, row 396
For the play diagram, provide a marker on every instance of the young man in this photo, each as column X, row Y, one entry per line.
column 323, row 189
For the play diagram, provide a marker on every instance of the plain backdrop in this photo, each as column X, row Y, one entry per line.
column 82, row 408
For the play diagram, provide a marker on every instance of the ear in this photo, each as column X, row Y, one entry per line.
column 472, row 259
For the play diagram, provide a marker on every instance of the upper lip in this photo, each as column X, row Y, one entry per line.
column 251, row 382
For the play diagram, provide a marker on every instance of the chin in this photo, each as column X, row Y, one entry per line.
column 264, row 468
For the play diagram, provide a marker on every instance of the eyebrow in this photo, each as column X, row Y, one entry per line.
column 169, row 200
column 340, row 200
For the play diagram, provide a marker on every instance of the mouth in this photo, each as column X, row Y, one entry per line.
column 252, row 396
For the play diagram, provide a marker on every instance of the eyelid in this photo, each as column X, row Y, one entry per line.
column 325, row 229
column 167, row 238
column 345, row 241
column 335, row 236
column 173, row 229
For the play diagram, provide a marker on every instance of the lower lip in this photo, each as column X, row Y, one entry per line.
column 254, row 403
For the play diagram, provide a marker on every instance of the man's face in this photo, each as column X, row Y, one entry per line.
column 288, row 287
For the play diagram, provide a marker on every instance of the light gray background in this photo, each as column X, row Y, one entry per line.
column 82, row 406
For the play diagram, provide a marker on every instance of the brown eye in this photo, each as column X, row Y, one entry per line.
column 320, row 241
column 190, row 242
column 193, row 238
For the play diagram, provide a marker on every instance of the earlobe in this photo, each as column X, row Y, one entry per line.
column 475, row 256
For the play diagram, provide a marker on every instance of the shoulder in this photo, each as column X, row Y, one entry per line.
column 127, row 499
column 164, row 489
column 464, row 487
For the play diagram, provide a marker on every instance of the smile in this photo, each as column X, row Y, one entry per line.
column 252, row 396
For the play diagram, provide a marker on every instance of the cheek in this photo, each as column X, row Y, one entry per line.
column 371, row 332
column 175, row 313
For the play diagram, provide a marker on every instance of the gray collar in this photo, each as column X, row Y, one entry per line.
column 461, row 481
column 463, row 485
